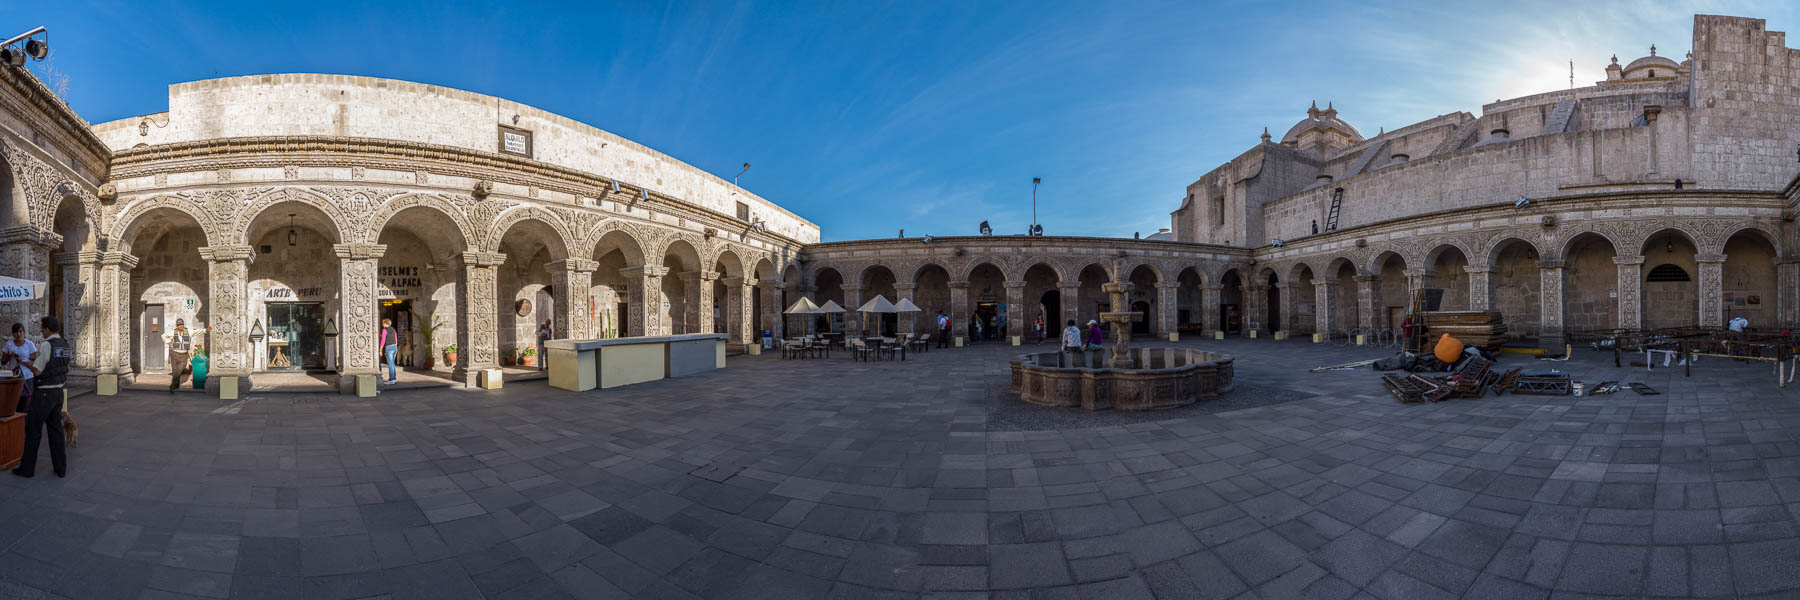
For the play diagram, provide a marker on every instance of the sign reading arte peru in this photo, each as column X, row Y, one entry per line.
column 282, row 293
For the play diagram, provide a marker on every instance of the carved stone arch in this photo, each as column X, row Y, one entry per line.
column 1294, row 269
column 1713, row 233
column 1659, row 228
column 1055, row 267
column 130, row 219
column 1377, row 259
column 1156, row 268
column 666, row 238
column 260, row 200
column 1758, row 229
column 1492, row 242
column 1435, row 249
column 517, row 214
column 1336, row 264
column 52, row 203
column 471, row 238
column 636, row 256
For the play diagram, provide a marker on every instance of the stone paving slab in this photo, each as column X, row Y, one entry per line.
column 828, row 478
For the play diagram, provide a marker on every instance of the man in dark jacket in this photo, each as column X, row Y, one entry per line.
column 50, row 370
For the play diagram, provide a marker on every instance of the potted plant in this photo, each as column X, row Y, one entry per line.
column 527, row 357
column 450, row 355
column 428, row 328
column 507, row 357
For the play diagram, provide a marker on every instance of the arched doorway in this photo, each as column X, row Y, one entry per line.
column 1450, row 276
column 1189, row 301
column 1272, row 300
column 1749, row 281
column 1590, row 284
column 1042, row 302
column 1671, row 281
column 878, row 280
column 681, row 289
column 170, row 283
column 1231, row 302
column 616, row 296
column 1304, row 319
column 1393, row 295
column 829, row 287
column 1517, row 286
column 415, row 283
column 293, row 290
column 1143, row 300
column 522, row 288
column 987, row 302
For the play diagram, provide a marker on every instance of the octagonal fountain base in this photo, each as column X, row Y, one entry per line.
column 1159, row 378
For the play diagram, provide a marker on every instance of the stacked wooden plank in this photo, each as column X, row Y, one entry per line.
column 1481, row 329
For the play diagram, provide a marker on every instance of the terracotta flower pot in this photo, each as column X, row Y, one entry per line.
column 450, row 359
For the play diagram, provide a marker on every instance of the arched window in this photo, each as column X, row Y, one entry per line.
column 1653, row 72
column 1666, row 273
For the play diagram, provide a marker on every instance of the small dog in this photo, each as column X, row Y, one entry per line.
column 69, row 430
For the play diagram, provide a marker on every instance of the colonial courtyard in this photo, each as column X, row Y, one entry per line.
column 828, row 478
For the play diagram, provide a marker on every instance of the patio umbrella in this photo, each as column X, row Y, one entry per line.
column 906, row 305
column 831, row 307
column 879, row 305
column 20, row 290
column 803, row 306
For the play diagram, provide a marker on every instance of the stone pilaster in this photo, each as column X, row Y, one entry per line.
column 1787, row 275
column 477, row 331
column 360, row 306
column 79, row 271
column 1481, row 287
column 1256, row 297
column 698, row 310
column 1368, row 301
column 571, row 285
column 1209, row 307
column 1284, row 298
column 113, row 329
column 1070, row 296
column 739, row 313
column 853, row 299
column 230, row 353
column 1712, row 286
column 959, row 309
column 645, row 287
column 1550, row 303
column 1325, row 306
column 1165, row 308
column 771, row 308
column 1631, row 291
column 920, row 322
column 25, row 254
column 1016, row 319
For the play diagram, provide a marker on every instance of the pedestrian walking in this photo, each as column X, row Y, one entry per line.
column 14, row 355
column 974, row 329
column 543, row 335
column 181, row 345
column 943, row 325
column 389, row 341
column 1038, row 326
column 50, row 368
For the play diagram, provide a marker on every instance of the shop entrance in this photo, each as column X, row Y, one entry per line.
column 153, row 348
column 400, row 313
column 296, row 338
column 993, row 319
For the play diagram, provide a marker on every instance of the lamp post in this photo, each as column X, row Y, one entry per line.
column 1034, row 224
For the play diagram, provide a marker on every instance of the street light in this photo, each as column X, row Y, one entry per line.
column 1035, row 229
column 36, row 49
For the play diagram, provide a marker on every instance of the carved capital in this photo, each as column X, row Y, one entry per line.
column 738, row 281
column 483, row 259
column 1167, row 285
column 578, row 265
column 1551, row 264
column 223, row 253
column 770, row 284
column 1013, row 285
column 1628, row 260
column 644, row 271
column 905, row 287
column 959, row 285
column 121, row 259
column 1215, row 287
column 360, row 251
column 851, row 287
column 77, row 257
column 1709, row 257
column 1366, row 278
column 1479, row 269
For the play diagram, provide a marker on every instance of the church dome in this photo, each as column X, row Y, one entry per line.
column 1652, row 66
column 1320, row 120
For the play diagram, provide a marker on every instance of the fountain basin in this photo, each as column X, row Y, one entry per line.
column 1159, row 378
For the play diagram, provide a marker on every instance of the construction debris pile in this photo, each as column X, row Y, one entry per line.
column 1480, row 329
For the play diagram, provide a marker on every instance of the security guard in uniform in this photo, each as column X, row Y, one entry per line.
column 50, row 370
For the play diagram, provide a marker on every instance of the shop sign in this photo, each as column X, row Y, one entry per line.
column 397, row 282
column 283, row 293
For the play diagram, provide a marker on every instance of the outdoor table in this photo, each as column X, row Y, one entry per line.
column 12, row 424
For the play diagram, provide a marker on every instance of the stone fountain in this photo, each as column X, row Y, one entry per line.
column 1147, row 379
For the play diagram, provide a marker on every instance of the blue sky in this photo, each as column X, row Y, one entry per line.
column 930, row 116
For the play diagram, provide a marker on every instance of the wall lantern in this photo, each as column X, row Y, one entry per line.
column 331, row 329
column 256, row 331
column 293, row 238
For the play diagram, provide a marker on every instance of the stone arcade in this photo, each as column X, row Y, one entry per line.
column 273, row 210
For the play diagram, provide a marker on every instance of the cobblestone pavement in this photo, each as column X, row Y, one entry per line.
column 828, row 478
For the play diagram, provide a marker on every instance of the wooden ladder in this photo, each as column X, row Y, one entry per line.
column 1337, row 204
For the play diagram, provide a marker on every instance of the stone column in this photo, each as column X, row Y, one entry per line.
column 959, row 309
column 1165, row 308
column 738, row 314
column 1324, row 306
column 645, row 289
column 1015, row 309
column 113, row 330
column 360, row 307
column 698, row 312
column 1284, row 297
column 79, row 270
column 853, row 299
column 1550, row 303
column 25, row 254
column 1255, row 297
column 921, row 321
column 571, row 286
column 1368, row 301
column 1070, row 293
column 1787, row 276
column 1481, row 287
column 1712, row 286
column 229, row 352
column 477, row 330
column 772, row 318
column 1631, row 291
column 1209, row 308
